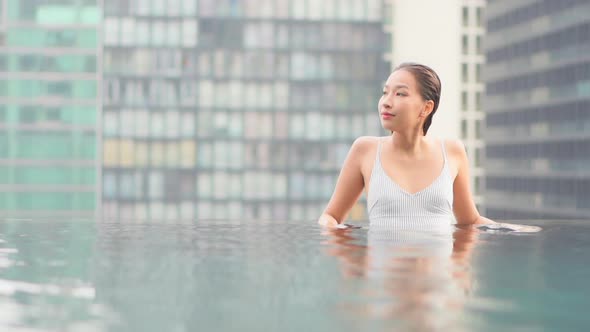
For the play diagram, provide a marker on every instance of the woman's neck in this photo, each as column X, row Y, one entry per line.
column 409, row 143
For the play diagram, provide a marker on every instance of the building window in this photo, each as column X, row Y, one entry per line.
column 281, row 9
column 464, row 73
column 298, row 10
column 478, row 45
column 159, row 8
column 465, row 44
column 111, row 31
column 158, row 33
column 478, row 77
column 479, row 17
column 465, row 16
column 478, row 101
column 142, row 36
column 464, row 101
column 204, row 210
column 189, row 33
column 478, row 129
column 463, row 129
column 204, row 185
column 189, row 8
column 174, row 7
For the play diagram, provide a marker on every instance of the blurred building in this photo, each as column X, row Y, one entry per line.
column 449, row 38
column 48, row 107
column 224, row 109
column 538, row 109
column 472, row 91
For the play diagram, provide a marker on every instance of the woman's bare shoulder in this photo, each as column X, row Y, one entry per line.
column 455, row 146
column 456, row 152
column 364, row 144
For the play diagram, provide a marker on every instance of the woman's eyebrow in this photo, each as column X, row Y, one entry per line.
column 397, row 86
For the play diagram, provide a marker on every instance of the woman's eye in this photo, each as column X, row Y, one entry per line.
column 400, row 94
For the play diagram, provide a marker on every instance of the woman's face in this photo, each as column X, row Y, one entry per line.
column 401, row 106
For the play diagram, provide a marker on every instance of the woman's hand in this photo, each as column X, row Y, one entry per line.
column 328, row 221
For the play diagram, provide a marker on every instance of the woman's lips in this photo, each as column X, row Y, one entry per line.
column 387, row 116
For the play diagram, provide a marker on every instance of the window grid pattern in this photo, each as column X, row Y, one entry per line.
column 235, row 110
column 538, row 119
column 49, row 107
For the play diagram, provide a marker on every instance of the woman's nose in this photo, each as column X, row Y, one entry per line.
column 386, row 102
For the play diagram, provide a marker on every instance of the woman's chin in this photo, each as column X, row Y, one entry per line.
column 387, row 128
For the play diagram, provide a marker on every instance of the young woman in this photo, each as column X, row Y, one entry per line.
column 412, row 181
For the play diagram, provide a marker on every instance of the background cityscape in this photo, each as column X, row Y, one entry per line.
column 165, row 110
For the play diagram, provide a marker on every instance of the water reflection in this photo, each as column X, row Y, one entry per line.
column 45, row 283
column 253, row 276
column 418, row 280
column 268, row 276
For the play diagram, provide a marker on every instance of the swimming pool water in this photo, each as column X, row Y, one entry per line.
column 290, row 276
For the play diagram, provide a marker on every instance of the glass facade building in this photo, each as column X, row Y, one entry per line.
column 224, row 109
column 538, row 109
column 49, row 106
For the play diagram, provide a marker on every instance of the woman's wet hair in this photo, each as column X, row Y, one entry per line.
column 428, row 83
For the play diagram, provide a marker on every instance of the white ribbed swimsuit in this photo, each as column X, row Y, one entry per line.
column 391, row 207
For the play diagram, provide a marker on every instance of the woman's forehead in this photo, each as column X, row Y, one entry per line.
column 401, row 77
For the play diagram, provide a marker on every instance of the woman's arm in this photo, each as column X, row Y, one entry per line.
column 349, row 186
column 463, row 205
